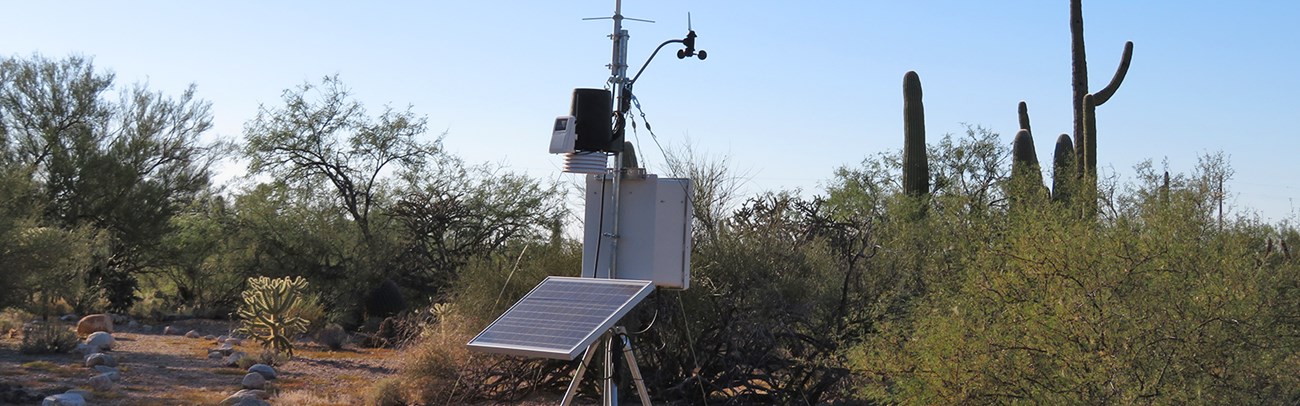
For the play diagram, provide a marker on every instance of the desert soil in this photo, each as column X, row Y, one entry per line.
column 173, row 370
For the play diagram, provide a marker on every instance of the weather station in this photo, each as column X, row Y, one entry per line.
column 636, row 237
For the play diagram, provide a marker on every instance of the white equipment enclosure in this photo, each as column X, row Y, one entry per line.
column 654, row 230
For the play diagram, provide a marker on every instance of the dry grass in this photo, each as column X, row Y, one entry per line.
column 303, row 397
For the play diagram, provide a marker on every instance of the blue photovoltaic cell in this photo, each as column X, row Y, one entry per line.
column 561, row 317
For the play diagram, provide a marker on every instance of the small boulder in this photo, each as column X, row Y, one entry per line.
column 209, row 337
column 133, row 324
column 234, row 341
column 93, row 323
column 169, row 331
column 192, row 334
column 232, row 360
column 64, row 399
column 111, row 372
column 70, row 317
column 214, row 354
column 265, row 370
column 257, row 393
column 226, row 349
column 99, row 341
column 85, row 394
column 253, row 380
column 98, row 359
column 101, row 383
column 221, row 340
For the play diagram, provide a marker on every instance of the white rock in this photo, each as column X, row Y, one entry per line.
column 169, row 330
column 100, row 341
column 192, row 334
column 233, row 359
column 85, row 394
column 214, row 354
column 98, row 359
column 101, row 383
column 265, row 370
column 64, row 399
column 257, row 393
column 253, row 381
column 209, row 337
column 225, row 349
column 112, row 373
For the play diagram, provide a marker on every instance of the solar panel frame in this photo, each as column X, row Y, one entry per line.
column 561, row 317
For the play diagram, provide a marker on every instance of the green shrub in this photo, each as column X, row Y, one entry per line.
column 272, row 311
column 47, row 338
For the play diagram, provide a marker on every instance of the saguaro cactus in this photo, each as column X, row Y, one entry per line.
column 1082, row 113
column 1023, row 112
column 916, row 166
column 1062, row 168
column 1024, row 158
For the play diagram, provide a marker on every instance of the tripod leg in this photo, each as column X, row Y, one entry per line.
column 636, row 371
column 577, row 375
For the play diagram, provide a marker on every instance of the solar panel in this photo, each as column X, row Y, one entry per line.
column 561, row 317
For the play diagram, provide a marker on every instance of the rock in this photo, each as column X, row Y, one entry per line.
column 265, row 370
column 234, row 341
column 99, row 342
column 101, row 383
column 214, row 354
column 257, row 393
column 82, row 348
column 192, row 334
column 85, row 394
column 146, row 328
column 98, row 359
column 93, row 323
column 64, row 399
column 226, row 349
column 169, row 330
column 244, row 400
column 209, row 337
column 69, row 317
column 109, row 371
column 221, row 340
column 232, row 360
column 253, row 380
column 133, row 324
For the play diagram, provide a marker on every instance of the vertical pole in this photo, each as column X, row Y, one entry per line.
column 618, row 80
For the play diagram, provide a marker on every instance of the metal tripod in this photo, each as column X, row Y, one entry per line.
column 616, row 335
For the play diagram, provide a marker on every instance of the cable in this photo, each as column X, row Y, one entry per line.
column 690, row 341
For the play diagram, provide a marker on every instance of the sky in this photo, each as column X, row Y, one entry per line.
column 790, row 91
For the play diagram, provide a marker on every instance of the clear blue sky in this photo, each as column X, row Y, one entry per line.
column 791, row 90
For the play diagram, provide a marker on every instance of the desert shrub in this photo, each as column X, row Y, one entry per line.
column 272, row 311
column 386, row 392
column 47, row 338
column 11, row 321
column 1151, row 299
column 332, row 336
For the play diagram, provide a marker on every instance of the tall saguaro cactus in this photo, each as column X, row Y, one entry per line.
column 1082, row 113
column 916, row 166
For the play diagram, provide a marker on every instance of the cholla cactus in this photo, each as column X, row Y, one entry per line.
column 271, row 310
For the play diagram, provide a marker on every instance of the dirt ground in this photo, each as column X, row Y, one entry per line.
column 161, row 369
